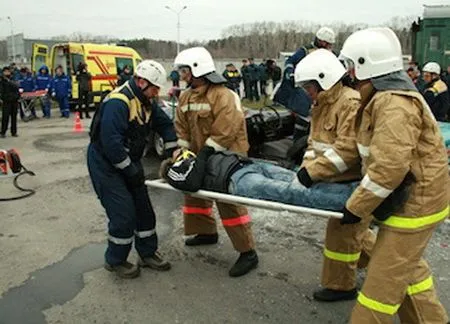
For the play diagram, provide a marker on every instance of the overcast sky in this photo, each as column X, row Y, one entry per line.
column 203, row 19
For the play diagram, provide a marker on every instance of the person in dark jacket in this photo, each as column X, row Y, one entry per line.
column 27, row 84
column 436, row 91
column 246, row 78
column 233, row 77
column 43, row 80
column 175, row 77
column 263, row 77
column 253, row 71
column 84, row 87
column 124, row 76
column 9, row 98
column 274, row 72
column 118, row 134
column 61, row 89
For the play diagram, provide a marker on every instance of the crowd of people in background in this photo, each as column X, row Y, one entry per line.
column 255, row 78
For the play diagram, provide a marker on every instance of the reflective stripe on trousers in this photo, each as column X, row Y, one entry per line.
column 197, row 210
column 236, row 221
column 414, row 289
column 343, row 257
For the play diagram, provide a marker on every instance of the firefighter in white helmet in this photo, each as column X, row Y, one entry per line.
column 209, row 115
column 332, row 156
column 400, row 145
column 436, row 91
column 118, row 137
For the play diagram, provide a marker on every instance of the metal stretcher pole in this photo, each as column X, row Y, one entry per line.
column 160, row 184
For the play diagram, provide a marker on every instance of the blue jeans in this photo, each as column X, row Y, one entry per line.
column 265, row 181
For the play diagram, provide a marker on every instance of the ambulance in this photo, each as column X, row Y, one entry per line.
column 105, row 63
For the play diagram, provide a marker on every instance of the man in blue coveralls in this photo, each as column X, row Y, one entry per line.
column 118, row 138
column 61, row 89
column 292, row 97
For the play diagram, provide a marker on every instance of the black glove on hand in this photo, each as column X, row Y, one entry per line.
column 304, row 178
column 134, row 176
column 396, row 200
column 349, row 217
column 205, row 153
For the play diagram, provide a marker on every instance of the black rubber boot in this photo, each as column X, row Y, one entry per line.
column 246, row 262
column 331, row 295
column 202, row 239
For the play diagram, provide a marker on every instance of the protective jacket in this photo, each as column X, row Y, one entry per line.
column 398, row 134
column 437, row 96
column 211, row 115
column 61, row 86
column 43, row 79
column 27, row 83
column 121, row 125
column 210, row 170
column 332, row 155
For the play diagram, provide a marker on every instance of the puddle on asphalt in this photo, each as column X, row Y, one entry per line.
column 62, row 281
column 53, row 285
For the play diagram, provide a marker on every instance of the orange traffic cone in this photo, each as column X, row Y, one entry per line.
column 78, row 126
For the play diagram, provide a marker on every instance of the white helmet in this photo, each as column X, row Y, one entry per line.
column 201, row 63
column 373, row 52
column 432, row 67
column 322, row 66
column 326, row 34
column 152, row 71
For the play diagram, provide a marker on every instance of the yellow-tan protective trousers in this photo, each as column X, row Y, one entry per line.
column 199, row 219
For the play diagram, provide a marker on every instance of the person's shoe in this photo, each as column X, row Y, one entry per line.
column 155, row 262
column 2, row 135
column 331, row 295
column 246, row 262
column 81, row 117
column 14, row 135
column 202, row 239
column 88, row 116
column 125, row 270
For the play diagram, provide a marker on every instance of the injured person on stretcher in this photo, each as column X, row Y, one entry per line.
column 226, row 172
column 231, row 173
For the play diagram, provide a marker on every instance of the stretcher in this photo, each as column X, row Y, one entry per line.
column 28, row 101
column 238, row 200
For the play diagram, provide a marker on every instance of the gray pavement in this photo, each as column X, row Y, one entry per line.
column 52, row 244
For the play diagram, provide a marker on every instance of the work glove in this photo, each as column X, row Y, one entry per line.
column 349, row 217
column 205, row 153
column 396, row 200
column 304, row 177
column 134, row 176
column 289, row 73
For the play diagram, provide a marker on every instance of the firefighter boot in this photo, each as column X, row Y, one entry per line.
column 246, row 262
column 155, row 262
column 202, row 239
column 331, row 295
column 124, row 270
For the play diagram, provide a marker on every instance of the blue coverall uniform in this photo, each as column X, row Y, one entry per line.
column 43, row 81
column 118, row 134
column 288, row 95
column 61, row 88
